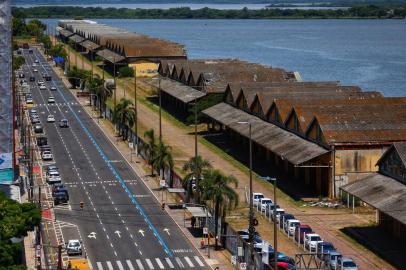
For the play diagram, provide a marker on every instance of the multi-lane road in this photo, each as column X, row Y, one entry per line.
column 122, row 225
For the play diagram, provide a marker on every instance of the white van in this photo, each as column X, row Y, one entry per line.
column 291, row 225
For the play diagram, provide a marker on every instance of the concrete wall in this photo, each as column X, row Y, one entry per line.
column 357, row 160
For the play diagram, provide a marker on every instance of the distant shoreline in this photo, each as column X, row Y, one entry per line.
column 357, row 12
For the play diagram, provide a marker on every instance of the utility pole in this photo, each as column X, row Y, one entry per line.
column 275, row 232
column 196, row 176
column 160, row 111
column 135, row 111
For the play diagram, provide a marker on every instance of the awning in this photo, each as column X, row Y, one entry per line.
column 180, row 91
column 381, row 192
column 65, row 33
column 76, row 38
column 198, row 212
column 91, row 46
column 277, row 140
column 110, row 56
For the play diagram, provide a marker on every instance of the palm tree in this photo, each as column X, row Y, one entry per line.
column 149, row 148
column 163, row 159
column 124, row 115
column 216, row 189
column 194, row 168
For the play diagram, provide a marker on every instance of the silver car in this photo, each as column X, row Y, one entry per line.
column 74, row 247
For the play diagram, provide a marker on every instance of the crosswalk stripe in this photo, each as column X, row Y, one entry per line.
column 158, row 261
column 151, row 266
column 130, row 265
column 197, row 259
column 99, row 265
column 139, row 264
column 168, row 261
column 189, row 262
column 109, row 265
column 120, row 266
column 179, row 262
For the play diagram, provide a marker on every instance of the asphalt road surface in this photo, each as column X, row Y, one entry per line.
column 122, row 225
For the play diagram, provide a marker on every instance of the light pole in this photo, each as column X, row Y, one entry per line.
column 275, row 234
column 251, row 228
column 135, row 111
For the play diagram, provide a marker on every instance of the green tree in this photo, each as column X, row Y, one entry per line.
column 195, row 166
column 35, row 28
column 18, row 61
column 78, row 77
column 125, row 72
column 96, row 87
column 149, row 148
column 216, row 189
column 124, row 116
column 163, row 160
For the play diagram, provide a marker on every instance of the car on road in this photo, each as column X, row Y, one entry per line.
column 21, row 75
column 61, row 197
column 57, row 187
column 53, row 88
column 47, row 155
column 346, row 263
column 74, row 247
column 51, row 100
column 42, row 141
column 38, row 128
column 302, row 230
column 48, row 78
column 35, row 70
column 35, row 120
column 331, row 260
column 50, row 118
column 36, row 61
column 53, row 177
column 32, row 79
column 29, row 101
column 324, row 248
column 40, row 82
column 34, row 65
column 311, row 240
column 42, row 87
column 30, row 51
column 63, row 123
column 263, row 203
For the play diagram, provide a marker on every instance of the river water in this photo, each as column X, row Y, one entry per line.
column 368, row 53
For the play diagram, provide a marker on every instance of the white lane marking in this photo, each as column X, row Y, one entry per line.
column 140, row 266
column 189, row 262
column 177, row 259
column 99, row 265
column 90, row 265
column 130, row 265
column 158, row 261
column 197, row 259
column 109, row 265
column 168, row 261
column 150, row 265
column 120, row 266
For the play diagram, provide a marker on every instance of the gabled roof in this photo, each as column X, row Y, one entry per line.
column 400, row 148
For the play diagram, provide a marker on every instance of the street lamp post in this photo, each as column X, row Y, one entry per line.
column 160, row 110
column 135, row 111
column 251, row 228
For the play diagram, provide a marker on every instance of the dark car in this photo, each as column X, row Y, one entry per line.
column 48, row 78
column 30, row 51
column 284, row 218
column 32, row 79
column 302, row 229
column 21, row 75
column 38, row 128
column 42, row 141
column 58, row 187
column 61, row 197
column 63, row 123
column 324, row 248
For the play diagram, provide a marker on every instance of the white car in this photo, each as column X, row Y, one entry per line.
column 74, row 247
column 311, row 240
column 34, row 65
column 40, row 82
column 42, row 87
column 54, row 177
column 256, row 197
column 50, row 118
column 47, row 155
column 51, row 100
column 291, row 225
column 36, row 61
column 279, row 212
column 53, row 88
column 35, row 70
column 264, row 202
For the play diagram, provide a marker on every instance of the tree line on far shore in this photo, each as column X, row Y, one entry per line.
column 366, row 11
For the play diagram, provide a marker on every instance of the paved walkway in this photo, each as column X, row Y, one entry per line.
column 326, row 222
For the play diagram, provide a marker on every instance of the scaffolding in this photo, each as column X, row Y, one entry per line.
column 6, row 93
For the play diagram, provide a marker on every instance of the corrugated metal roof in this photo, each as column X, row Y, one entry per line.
column 382, row 192
column 178, row 90
column 279, row 141
column 65, row 33
column 76, row 38
column 401, row 149
column 110, row 56
column 90, row 45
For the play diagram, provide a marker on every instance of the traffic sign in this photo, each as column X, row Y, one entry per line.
column 131, row 145
column 243, row 266
column 205, row 230
column 162, row 183
column 233, row 260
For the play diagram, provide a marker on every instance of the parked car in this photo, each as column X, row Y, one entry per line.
column 58, row 187
column 311, row 240
column 38, row 128
column 245, row 234
column 256, row 197
column 47, row 155
column 51, row 100
column 346, row 263
column 291, row 225
column 42, row 141
column 270, row 208
column 279, row 212
column 50, row 118
column 63, row 123
column 61, row 197
column 263, row 203
column 284, row 219
column 282, row 258
column 74, row 247
column 331, row 260
column 300, row 231
column 324, row 248
column 284, row 266
column 53, row 177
